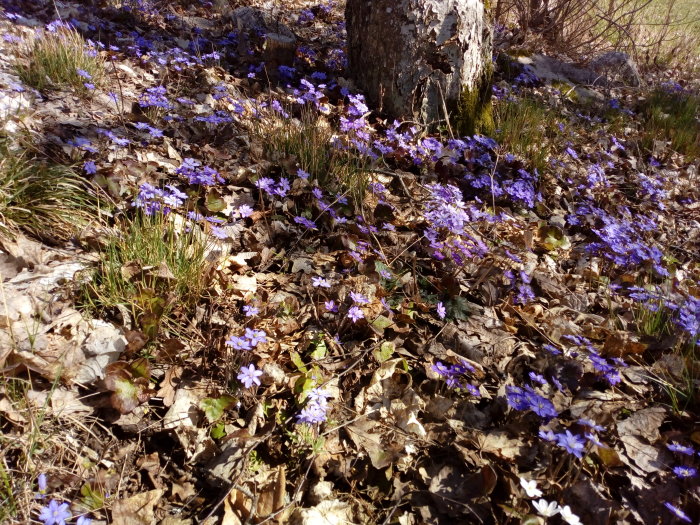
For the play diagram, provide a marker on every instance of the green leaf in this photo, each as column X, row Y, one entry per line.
column 554, row 238
column 126, row 395
column 381, row 323
column 141, row 368
column 213, row 407
column 320, row 350
column 303, row 385
column 296, row 359
column 214, row 203
column 91, row 498
column 218, row 431
column 385, row 351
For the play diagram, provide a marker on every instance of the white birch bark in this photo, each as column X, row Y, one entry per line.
column 416, row 58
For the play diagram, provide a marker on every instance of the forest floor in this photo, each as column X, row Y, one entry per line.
column 232, row 294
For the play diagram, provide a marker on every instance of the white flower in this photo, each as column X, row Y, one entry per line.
column 568, row 516
column 545, row 508
column 530, row 488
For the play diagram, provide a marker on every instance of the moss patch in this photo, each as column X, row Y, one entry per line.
column 474, row 109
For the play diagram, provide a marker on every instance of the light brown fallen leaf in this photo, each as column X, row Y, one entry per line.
column 136, row 510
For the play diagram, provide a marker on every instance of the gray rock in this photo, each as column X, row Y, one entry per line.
column 550, row 69
column 616, row 66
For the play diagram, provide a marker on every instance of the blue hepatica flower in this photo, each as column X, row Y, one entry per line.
column 355, row 314
column 249, row 376
column 55, row 513
column 441, row 310
column 681, row 449
column 571, row 443
column 527, row 399
column 250, row 310
column 685, row 472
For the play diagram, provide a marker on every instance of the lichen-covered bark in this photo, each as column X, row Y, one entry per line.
column 419, row 59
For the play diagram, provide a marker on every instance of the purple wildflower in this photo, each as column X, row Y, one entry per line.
column 244, row 211
column 316, row 408
column 685, row 472
column 537, row 378
column 309, row 224
column 571, row 443
column 330, row 306
column 681, row 449
column 473, row 390
column 250, row 310
column 42, row 483
column 249, row 376
column 89, row 167
column 358, row 298
column 55, row 513
column 355, row 314
column 239, row 343
column 320, row 282
column 255, row 336
column 548, row 435
column 591, row 424
column 594, row 439
column 441, row 311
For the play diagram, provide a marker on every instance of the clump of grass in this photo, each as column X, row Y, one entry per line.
column 47, row 200
column 522, row 128
column 673, row 116
column 309, row 141
column 54, row 59
column 155, row 265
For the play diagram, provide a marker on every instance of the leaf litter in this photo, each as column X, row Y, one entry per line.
column 391, row 351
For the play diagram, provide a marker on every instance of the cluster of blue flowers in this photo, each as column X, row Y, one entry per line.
column 454, row 376
column 249, row 340
column 528, row 399
column 155, row 97
column 198, row 174
column 154, row 200
column 316, row 407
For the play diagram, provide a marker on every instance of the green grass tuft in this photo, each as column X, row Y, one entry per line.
column 152, row 267
column 308, row 142
column 49, row 201
column 673, row 117
column 525, row 127
column 53, row 61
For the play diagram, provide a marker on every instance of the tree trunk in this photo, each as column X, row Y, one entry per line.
column 421, row 59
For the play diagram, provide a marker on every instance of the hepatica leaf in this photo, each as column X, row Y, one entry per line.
column 214, row 407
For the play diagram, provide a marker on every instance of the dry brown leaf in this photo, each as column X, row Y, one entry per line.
column 136, row 510
column 245, row 286
column 169, row 384
column 620, row 344
column 498, row 442
column 8, row 411
column 331, row 512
